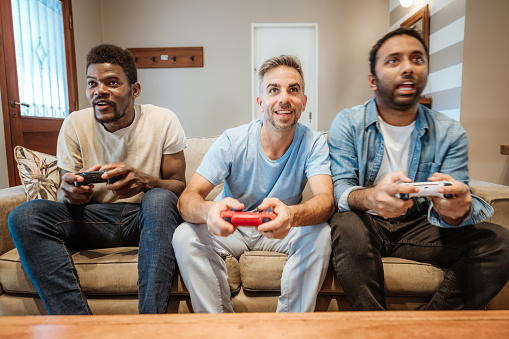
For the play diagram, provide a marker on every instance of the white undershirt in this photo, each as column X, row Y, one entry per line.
column 396, row 148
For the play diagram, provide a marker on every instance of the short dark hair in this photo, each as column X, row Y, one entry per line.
column 282, row 60
column 399, row 31
column 112, row 54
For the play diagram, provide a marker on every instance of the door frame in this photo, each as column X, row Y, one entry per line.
column 254, row 73
column 13, row 128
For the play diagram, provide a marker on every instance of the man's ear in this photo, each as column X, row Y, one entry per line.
column 304, row 103
column 259, row 102
column 372, row 81
column 136, row 90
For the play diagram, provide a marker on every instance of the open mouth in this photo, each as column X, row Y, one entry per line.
column 101, row 104
column 406, row 87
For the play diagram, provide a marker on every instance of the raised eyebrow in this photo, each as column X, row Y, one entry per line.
column 273, row 85
column 392, row 55
column 107, row 78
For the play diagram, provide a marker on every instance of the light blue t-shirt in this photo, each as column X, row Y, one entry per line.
column 238, row 158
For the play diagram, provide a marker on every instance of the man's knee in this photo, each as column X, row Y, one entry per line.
column 158, row 209
column 498, row 243
column 160, row 197
column 184, row 238
column 21, row 219
column 349, row 225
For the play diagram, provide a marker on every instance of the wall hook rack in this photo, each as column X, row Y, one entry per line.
column 160, row 57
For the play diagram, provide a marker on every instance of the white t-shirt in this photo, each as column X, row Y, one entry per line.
column 396, row 148
column 83, row 143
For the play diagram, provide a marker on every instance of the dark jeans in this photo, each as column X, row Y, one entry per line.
column 46, row 232
column 475, row 258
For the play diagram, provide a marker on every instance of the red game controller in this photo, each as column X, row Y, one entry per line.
column 238, row 218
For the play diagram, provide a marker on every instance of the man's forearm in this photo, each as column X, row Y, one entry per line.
column 316, row 210
column 193, row 208
column 358, row 199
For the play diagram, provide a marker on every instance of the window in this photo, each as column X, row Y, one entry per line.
column 40, row 57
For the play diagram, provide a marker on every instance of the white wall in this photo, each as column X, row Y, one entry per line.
column 218, row 96
column 484, row 112
column 88, row 32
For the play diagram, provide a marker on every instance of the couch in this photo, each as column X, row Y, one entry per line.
column 109, row 276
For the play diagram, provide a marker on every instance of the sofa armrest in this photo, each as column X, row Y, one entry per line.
column 495, row 195
column 10, row 198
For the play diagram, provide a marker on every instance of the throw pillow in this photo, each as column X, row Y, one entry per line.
column 39, row 173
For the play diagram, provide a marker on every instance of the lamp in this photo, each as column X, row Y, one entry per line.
column 406, row 3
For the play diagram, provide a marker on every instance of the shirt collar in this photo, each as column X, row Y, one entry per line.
column 421, row 122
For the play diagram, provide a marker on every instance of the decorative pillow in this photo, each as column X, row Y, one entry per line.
column 38, row 172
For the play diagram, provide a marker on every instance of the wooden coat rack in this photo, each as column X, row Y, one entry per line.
column 168, row 57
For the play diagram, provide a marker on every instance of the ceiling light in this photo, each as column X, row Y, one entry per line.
column 406, row 3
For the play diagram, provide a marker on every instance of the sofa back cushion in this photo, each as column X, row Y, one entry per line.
column 194, row 152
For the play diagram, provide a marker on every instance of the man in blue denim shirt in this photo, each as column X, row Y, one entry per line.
column 391, row 140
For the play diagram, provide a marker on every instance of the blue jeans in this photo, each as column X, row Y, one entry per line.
column 47, row 232
column 475, row 258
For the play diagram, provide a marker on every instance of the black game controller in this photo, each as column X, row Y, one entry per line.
column 93, row 177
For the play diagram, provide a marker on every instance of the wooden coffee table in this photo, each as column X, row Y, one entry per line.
column 343, row 325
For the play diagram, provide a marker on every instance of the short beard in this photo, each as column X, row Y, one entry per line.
column 387, row 96
column 279, row 128
column 118, row 115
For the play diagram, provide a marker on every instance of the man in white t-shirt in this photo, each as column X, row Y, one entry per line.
column 142, row 146
column 264, row 164
column 390, row 140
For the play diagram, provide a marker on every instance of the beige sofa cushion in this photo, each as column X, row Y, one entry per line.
column 107, row 271
column 262, row 271
column 495, row 195
column 194, row 152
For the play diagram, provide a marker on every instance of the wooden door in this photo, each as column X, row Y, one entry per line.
column 37, row 133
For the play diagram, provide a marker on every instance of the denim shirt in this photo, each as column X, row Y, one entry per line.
column 438, row 144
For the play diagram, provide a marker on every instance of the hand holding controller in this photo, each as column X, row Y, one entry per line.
column 93, row 177
column 238, row 218
column 426, row 189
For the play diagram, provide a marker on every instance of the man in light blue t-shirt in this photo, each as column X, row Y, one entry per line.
column 264, row 164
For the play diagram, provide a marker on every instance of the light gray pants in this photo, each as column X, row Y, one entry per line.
column 200, row 260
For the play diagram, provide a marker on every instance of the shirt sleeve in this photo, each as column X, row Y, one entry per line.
column 344, row 160
column 455, row 163
column 175, row 136
column 68, row 148
column 318, row 161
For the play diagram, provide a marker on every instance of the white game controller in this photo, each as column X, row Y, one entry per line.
column 426, row 189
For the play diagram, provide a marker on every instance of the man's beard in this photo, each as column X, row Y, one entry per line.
column 118, row 115
column 272, row 121
column 386, row 95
